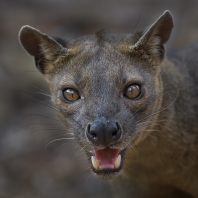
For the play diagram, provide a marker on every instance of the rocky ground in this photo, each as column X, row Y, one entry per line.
column 27, row 168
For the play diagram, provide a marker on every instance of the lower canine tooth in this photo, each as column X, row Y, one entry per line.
column 95, row 162
column 117, row 162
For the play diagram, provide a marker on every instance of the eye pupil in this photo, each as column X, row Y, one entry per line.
column 132, row 91
column 70, row 94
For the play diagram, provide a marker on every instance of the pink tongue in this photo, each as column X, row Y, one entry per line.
column 106, row 157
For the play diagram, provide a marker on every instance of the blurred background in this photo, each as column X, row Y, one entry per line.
column 27, row 168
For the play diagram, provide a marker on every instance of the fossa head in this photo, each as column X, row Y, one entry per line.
column 102, row 86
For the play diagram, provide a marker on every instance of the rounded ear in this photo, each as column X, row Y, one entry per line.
column 42, row 47
column 156, row 36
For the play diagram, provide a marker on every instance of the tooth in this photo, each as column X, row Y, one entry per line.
column 95, row 162
column 117, row 162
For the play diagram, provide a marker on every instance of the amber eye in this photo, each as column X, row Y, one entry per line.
column 132, row 91
column 71, row 95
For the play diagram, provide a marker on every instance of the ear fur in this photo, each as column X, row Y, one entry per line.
column 152, row 41
column 44, row 48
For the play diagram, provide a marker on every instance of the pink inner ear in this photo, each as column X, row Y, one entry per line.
column 30, row 39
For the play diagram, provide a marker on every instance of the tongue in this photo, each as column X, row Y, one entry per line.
column 106, row 157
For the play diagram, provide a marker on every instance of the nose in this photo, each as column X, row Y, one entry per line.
column 103, row 132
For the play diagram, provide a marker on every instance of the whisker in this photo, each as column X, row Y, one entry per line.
column 153, row 99
column 78, row 151
column 163, row 108
column 146, row 135
column 133, row 148
column 151, row 122
column 40, row 89
column 35, row 114
column 53, row 119
column 67, row 143
column 36, row 125
column 47, row 104
column 138, row 20
column 60, row 139
column 44, row 94
column 149, row 130
column 48, row 130
column 31, row 96
column 125, row 174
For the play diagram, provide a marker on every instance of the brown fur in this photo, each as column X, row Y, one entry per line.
column 160, row 130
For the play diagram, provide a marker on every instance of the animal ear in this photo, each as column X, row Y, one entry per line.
column 153, row 39
column 44, row 48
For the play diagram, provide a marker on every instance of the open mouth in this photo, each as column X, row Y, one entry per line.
column 107, row 160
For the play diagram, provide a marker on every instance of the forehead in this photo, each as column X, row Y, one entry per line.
column 100, row 59
column 99, row 56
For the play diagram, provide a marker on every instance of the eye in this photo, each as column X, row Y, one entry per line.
column 70, row 94
column 132, row 91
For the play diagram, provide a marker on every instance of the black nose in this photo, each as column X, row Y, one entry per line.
column 103, row 131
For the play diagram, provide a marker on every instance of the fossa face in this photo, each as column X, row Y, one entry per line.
column 103, row 87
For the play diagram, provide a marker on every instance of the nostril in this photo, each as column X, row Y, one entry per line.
column 118, row 126
column 88, row 129
column 114, row 134
column 93, row 134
